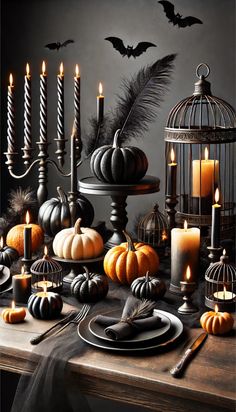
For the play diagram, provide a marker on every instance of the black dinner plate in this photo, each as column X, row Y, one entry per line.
column 174, row 332
column 4, row 276
column 144, row 336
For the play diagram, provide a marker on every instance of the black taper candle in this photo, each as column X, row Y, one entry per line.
column 27, row 242
column 171, row 176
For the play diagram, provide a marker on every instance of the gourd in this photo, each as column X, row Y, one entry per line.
column 54, row 214
column 45, row 305
column 78, row 243
column 15, row 315
column 217, row 323
column 15, row 237
column 148, row 287
column 89, row 287
column 8, row 255
column 130, row 260
column 115, row 164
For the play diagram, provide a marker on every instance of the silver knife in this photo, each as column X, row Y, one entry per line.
column 179, row 367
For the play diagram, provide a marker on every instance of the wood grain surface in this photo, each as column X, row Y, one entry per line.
column 207, row 385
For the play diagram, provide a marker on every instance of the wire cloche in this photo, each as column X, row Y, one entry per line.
column 153, row 229
column 220, row 286
column 46, row 273
column 201, row 134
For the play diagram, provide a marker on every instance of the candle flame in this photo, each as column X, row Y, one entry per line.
column 100, row 89
column 216, row 309
column 1, row 242
column 164, row 235
column 172, row 155
column 77, row 70
column 45, row 250
column 27, row 217
column 11, row 80
column 206, row 153
column 217, row 195
column 45, row 287
column 27, row 69
column 22, row 269
column 43, row 68
column 188, row 273
column 13, row 305
column 185, row 225
column 61, row 69
column 224, row 289
column 224, row 252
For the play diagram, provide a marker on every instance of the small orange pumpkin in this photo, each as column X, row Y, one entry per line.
column 15, row 315
column 129, row 260
column 217, row 323
column 15, row 237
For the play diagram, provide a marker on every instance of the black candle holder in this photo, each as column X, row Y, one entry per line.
column 215, row 253
column 27, row 264
column 46, row 271
column 187, row 288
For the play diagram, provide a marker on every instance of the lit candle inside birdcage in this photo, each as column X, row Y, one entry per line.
column 46, row 272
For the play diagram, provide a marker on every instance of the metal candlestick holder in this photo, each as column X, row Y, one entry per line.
column 187, row 288
column 171, row 202
column 27, row 264
column 214, row 254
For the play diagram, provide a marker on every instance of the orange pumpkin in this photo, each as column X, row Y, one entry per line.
column 15, row 315
column 129, row 260
column 15, row 237
column 217, row 323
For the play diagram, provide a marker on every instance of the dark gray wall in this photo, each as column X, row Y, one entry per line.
column 27, row 25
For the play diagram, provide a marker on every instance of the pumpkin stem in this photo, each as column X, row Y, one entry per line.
column 129, row 241
column 116, row 137
column 147, row 276
column 77, row 230
column 86, row 272
column 62, row 195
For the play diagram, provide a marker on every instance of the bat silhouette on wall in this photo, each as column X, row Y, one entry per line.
column 129, row 50
column 177, row 19
column 57, row 46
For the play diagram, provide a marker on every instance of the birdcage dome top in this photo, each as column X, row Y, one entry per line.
column 202, row 117
column 221, row 272
column 45, row 266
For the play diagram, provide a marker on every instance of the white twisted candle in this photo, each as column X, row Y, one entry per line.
column 10, row 117
column 27, row 110
column 60, row 104
column 43, row 105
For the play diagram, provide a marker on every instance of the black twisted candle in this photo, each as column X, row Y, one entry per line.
column 27, row 110
column 78, row 143
column 43, row 105
column 10, row 117
column 60, row 104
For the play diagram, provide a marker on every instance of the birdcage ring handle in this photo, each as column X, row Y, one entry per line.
column 198, row 70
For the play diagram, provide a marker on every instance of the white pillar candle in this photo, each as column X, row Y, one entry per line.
column 185, row 244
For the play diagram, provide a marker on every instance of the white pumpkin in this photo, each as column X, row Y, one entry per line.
column 78, row 243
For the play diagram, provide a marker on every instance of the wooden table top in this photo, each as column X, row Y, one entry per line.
column 208, row 383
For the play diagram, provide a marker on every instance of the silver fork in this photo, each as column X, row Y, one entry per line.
column 79, row 317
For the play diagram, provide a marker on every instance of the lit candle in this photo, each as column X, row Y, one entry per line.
column 77, row 99
column 43, row 105
column 185, row 244
column 27, row 110
column 10, row 117
column 21, row 287
column 205, row 175
column 171, row 176
column 224, row 294
column 13, row 314
column 215, row 224
column 27, row 237
column 60, row 103
column 100, row 104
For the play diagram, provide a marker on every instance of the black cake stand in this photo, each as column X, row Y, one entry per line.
column 118, row 194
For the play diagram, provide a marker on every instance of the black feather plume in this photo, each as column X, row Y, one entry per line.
column 142, row 96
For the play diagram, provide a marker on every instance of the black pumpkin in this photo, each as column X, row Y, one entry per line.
column 114, row 164
column 8, row 255
column 89, row 287
column 148, row 287
column 54, row 214
column 43, row 305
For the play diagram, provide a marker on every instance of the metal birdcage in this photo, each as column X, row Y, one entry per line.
column 220, row 285
column 201, row 130
column 153, row 229
column 46, row 274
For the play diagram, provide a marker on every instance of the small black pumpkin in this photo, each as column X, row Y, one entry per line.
column 114, row 164
column 148, row 287
column 43, row 305
column 54, row 214
column 7, row 255
column 89, row 287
